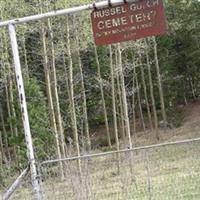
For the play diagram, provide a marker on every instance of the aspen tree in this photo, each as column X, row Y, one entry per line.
column 50, row 100
column 10, row 88
column 9, row 114
column 151, row 90
column 113, row 97
column 133, row 107
column 49, row 95
column 121, row 116
column 71, row 96
column 192, row 87
column 85, row 113
column 139, row 97
column 25, row 55
column 114, row 104
column 6, row 72
column 102, row 96
column 58, row 116
column 66, row 77
column 125, row 105
column 5, row 135
column 11, row 97
column 2, row 153
column 159, row 82
column 13, row 113
column 145, row 91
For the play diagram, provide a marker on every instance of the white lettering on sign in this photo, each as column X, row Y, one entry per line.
column 125, row 29
column 141, row 6
column 112, row 23
column 143, row 17
column 124, row 20
column 134, row 20
column 109, row 12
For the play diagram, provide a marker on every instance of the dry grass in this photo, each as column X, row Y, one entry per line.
column 161, row 173
column 171, row 172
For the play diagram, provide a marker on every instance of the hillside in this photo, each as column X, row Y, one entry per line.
column 189, row 128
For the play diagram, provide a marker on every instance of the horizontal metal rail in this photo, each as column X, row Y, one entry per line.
column 122, row 151
column 15, row 185
column 97, row 5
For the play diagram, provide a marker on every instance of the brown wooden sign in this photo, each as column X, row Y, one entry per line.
column 129, row 21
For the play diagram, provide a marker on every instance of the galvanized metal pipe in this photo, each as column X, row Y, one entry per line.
column 123, row 151
column 97, row 5
column 24, row 111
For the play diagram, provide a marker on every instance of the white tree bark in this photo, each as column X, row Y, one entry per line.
column 58, row 116
column 145, row 93
column 139, row 97
column 114, row 105
column 102, row 96
column 50, row 100
column 113, row 98
column 72, row 106
column 121, row 115
column 164, row 116
column 125, row 105
column 85, row 113
column 152, row 93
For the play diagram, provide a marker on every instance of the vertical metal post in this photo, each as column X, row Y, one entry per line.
column 23, row 104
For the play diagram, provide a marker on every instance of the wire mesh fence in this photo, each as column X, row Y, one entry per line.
column 165, row 172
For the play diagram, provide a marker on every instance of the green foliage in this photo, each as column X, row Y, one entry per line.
column 39, row 122
column 43, row 138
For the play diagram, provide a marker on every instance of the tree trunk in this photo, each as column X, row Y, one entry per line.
column 125, row 105
column 102, row 96
column 121, row 115
column 58, row 116
column 114, row 105
column 13, row 111
column 145, row 93
column 139, row 98
column 25, row 56
column 7, row 74
column 9, row 116
column 159, row 83
column 152, row 93
column 192, row 87
column 113, row 98
column 50, row 99
column 2, row 154
column 133, row 108
column 72, row 106
column 10, row 97
column 66, row 76
column 85, row 113
column 5, row 135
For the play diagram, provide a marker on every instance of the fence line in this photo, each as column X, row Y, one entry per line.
column 121, row 151
column 162, row 171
